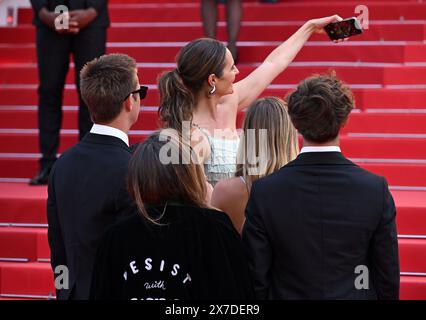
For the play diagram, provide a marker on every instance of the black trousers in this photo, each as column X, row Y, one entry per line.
column 53, row 57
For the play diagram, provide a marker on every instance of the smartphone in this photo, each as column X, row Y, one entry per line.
column 343, row 29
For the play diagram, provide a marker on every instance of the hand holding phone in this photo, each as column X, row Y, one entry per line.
column 343, row 29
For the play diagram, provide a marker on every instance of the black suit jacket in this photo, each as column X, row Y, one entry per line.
column 86, row 195
column 101, row 7
column 309, row 225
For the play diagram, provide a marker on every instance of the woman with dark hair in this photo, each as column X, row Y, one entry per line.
column 176, row 246
column 200, row 95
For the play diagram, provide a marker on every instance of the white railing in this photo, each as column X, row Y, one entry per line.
column 9, row 11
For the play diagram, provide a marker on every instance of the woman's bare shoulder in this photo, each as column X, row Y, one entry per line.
column 227, row 189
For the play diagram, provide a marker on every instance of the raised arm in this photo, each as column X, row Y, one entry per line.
column 248, row 89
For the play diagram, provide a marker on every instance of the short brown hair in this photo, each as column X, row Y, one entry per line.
column 152, row 182
column 104, row 84
column 319, row 107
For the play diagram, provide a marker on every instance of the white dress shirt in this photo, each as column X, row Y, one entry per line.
column 321, row 149
column 110, row 131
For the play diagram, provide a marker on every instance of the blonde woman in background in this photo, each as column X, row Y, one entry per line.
column 269, row 113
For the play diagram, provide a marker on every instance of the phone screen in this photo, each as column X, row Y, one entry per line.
column 343, row 29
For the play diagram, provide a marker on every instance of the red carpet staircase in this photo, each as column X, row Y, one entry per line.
column 386, row 67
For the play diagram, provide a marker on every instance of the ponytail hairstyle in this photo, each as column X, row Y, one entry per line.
column 179, row 87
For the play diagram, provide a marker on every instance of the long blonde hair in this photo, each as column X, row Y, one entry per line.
column 281, row 145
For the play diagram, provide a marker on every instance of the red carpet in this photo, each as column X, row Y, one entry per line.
column 385, row 67
column 378, row 75
column 22, row 95
column 255, row 52
column 359, row 122
column 294, row 10
column 186, row 31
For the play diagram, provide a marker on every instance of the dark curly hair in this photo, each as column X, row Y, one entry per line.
column 320, row 107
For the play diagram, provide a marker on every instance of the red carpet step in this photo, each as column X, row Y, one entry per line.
column 260, row 12
column 30, row 244
column 397, row 174
column 411, row 255
column 35, row 280
column 267, row 31
column 411, row 212
column 250, row 51
column 413, row 288
column 26, row 73
column 31, row 280
column 24, row 243
column 23, row 204
column 359, row 122
column 364, row 98
column 26, row 141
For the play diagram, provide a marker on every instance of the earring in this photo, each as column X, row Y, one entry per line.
column 213, row 90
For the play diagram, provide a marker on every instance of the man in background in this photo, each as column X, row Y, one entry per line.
column 82, row 33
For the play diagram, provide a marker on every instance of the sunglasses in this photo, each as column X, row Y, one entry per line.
column 141, row 91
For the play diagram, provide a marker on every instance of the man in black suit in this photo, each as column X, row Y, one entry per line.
column 87, row 187
column 322, row 227
column 83, row 34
